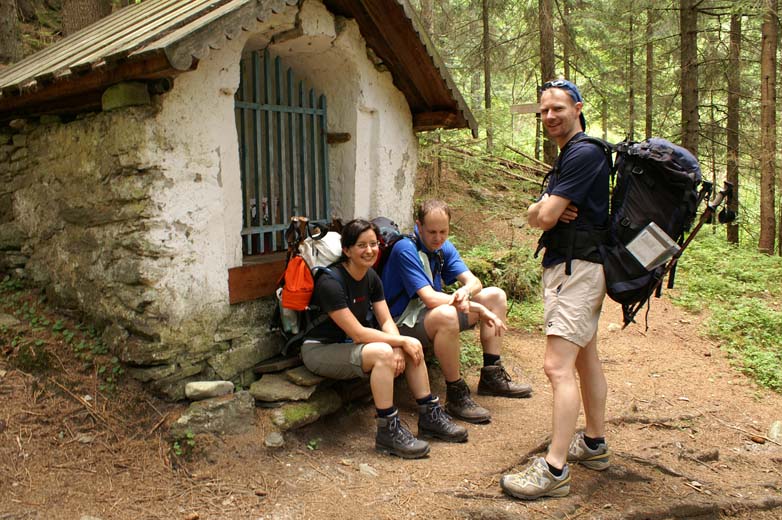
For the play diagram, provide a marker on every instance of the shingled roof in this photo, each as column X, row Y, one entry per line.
column 161, row 38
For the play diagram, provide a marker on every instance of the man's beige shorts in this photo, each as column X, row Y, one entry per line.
column 572, row 303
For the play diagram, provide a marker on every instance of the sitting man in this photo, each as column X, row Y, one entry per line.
column 413, row 279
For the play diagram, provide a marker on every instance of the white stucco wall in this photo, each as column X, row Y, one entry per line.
column 374, row 173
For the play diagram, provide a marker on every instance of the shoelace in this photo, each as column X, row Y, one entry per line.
column 400, row 431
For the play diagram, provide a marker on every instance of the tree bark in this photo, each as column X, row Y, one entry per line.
column 649, row 73
column 768, row 127
column 486, row 47
column 734, row 86
column 77, row 14
column 10, row 50
column 631, row 83
column 434, row 176
column 547, row 64
column 564, row 32
column 688, row 18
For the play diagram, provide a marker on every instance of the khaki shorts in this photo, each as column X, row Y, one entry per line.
column 333, row 360
column 572, row 303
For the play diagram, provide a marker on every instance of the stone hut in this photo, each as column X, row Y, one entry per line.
column 150, row 163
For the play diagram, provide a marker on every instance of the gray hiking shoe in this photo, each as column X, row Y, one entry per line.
column 434, row 422
column 460, row 404
column 495, row 380
column 597, row 459
column 393, row 438
column 536, row 481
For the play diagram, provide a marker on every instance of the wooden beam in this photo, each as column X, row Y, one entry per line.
column 252, row 281
column 433, row 120
column 525, row 108
column 42, row 97
column 337, row 137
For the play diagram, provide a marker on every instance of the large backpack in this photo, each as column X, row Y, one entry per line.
column 653, row 203
column 310, row 255
column 388, row 237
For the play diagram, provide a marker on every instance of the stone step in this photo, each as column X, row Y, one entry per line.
column 277, row 364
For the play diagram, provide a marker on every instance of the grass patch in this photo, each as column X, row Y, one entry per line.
column 741, row 289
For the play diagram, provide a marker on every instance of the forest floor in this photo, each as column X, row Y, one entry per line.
column 687, row 430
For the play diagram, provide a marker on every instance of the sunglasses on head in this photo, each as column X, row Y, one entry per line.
column 557, row 83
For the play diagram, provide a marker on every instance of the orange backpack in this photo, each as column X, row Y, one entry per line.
column 299, row 284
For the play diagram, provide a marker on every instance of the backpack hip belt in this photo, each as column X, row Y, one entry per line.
column 569, row 242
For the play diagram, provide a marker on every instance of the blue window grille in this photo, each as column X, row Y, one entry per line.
column 283, row 152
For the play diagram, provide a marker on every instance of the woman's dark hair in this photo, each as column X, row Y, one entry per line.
column 353, row 229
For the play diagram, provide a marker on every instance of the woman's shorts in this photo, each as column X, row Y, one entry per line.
column 333, row 360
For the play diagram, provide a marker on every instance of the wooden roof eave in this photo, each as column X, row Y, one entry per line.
column 73, row 93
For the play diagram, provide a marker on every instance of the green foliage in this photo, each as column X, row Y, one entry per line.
column 741, row 290
column 526, row 314
column 471, row 353
column 512, row 269
column 185, row 446
column 314, row 444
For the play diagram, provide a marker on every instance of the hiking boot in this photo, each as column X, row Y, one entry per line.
column 596, row 459
column 434, row 422
column 495, row 380
column 536, row 481
column 392, row 437
column 460, row 404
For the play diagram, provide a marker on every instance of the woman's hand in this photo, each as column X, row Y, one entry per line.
column 399, row 361
column 412, row 347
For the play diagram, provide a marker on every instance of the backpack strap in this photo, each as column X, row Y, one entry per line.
column 573, row 243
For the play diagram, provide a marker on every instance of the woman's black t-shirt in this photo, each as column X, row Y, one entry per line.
column 329, row 295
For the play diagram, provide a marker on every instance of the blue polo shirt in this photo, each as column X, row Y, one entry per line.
column 583, row 179
column 403, row 274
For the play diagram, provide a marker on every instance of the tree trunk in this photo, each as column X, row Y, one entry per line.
column 565, row 38
column 689, row 74
column 768, row 127
column 547, row 64
column 734, row 86
column 77, row 14
column 10, row 50
column 433, row 179
column 649, row 72
column 487, row 75
column 631, row 83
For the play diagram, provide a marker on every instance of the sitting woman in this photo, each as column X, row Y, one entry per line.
column 347, row 346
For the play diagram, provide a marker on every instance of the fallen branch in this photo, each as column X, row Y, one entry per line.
column 543, row 165
column 745, row 432
column 157, row 425
column 638, row 419
column 646, row 462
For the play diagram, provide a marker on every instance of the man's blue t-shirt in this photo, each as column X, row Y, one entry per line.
column 583, row 178
column 403, row 274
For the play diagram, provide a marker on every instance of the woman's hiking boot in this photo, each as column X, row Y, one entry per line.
column 495, row 380
column 392, row 437
column 434, row 422
column 597, row 459
column 459, row 404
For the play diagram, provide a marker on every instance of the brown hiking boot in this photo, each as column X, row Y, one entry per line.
column 495, row 380
column 434, row 422
column 393, row 438
column 459, row 404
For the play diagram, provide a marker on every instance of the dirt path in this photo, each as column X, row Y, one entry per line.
column 681, row 427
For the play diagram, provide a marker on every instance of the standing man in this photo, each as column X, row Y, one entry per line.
column 573, row 213
column 413, row 281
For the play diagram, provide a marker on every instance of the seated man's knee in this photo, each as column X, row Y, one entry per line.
column 493, row 297
column 443, row 317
